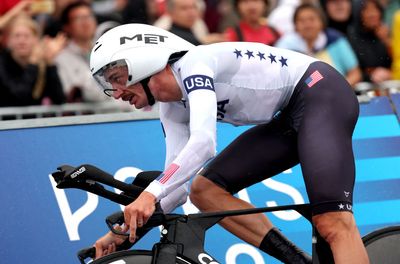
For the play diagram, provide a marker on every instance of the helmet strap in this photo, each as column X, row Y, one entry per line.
column 150, row 97
column 176, row 56
column 173, row 58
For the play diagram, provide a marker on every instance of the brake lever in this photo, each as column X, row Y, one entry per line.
column 113, row 219
column 85, row 253
column 158, row 218
column 63, row 170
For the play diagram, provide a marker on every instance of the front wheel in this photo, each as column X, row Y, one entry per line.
column 383, row 245
column 132, row 257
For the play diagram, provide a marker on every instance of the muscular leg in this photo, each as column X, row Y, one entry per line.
column 255, row 229
column 244, row 162
column 209, row 197
column 327, row 161
column 340, row 231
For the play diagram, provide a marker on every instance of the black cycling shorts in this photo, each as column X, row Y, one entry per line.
column 315, row 129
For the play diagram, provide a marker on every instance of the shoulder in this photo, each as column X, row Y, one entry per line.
column 202, row 54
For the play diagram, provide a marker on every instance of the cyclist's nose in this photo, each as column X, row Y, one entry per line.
column 118, row 93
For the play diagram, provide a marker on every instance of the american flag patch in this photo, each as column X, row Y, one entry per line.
column 315, row 77
column 168, row 173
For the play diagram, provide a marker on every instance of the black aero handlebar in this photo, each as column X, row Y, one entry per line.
column 90, row 178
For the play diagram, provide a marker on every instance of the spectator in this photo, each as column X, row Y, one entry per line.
column 212, row 16
column 339, row 14
column 281, row 17
column 79, row 24
column 370, row 39
column 7, row 5
column 390, row 8
column 52, row 24
column 27, row 73
column 140, row 11
column 312, row 37
column 110, row 10
column 396, row 46
column 252, row 26
column 184, row 18
column 183, row 14
column 20, row 8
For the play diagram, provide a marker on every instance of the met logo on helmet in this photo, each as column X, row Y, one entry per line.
column 147, row 38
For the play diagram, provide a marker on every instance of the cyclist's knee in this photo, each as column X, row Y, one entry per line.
column 201, row 190
column 335, row 226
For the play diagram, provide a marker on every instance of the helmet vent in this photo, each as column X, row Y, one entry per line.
column 97, row 47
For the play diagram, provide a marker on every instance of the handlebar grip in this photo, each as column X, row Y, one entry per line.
column 86, row 253
column 116, row 218
column 125, row 245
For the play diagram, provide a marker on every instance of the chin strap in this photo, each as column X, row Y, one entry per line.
column 150, row 97
column 173, row 58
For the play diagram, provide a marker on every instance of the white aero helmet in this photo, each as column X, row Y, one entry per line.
column 144, row 49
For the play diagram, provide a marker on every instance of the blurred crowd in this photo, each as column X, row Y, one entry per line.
column 45, row 44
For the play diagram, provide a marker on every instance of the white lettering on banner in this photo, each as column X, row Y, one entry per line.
column 189, row 208
column 237, row 249
column 123, row 174
column 244, row 195
column 289, row 215
column 72, row 220
column 206, row 259
column 121, row 261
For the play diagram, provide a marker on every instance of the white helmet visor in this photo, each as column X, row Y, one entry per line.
column 113, row 76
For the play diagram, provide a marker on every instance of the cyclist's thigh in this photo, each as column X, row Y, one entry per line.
column 259, row 153
column 325, row 142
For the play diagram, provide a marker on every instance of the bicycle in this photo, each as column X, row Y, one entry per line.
column 182, row 240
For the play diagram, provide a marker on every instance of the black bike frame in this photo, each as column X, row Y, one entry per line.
column 186, row 233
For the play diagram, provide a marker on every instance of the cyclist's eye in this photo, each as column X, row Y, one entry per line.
column 117, row 80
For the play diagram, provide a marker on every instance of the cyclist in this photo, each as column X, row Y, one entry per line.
column 303, row 111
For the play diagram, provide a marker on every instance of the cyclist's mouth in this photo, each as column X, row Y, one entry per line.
column 128, row 98
column 131, row 100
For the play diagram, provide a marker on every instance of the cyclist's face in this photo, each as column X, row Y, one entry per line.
column 164, row 87
column 134, row 94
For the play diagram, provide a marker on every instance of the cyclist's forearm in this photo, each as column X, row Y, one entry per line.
column 175, row 198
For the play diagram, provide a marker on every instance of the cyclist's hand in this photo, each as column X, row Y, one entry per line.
column 138, row 212
column 108, row 243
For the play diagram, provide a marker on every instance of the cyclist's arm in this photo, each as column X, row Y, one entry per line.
column 176, row 130
column 199, row 148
